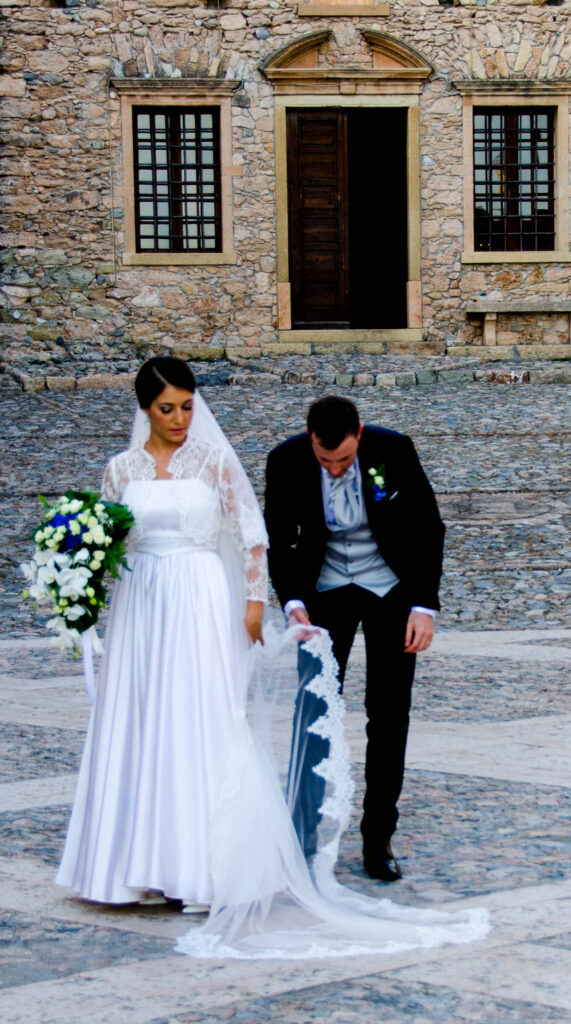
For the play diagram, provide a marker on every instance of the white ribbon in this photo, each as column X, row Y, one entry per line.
column 90, row 643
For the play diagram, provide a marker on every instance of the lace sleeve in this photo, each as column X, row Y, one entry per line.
column 110, row 490
column 246, row 525
column 116, row 477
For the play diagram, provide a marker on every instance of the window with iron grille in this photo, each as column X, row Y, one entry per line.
column 514, row 179
column 177, row 179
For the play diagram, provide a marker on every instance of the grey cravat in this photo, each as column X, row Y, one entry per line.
column 345, row 503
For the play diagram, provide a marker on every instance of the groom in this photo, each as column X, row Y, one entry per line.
column 356, row 537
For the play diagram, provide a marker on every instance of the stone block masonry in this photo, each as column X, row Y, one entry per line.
column 66, row 293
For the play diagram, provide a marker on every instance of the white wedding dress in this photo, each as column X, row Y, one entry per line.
column 179, row 791
column 169, row 697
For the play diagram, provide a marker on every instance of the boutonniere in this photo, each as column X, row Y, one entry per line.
column 377, row 482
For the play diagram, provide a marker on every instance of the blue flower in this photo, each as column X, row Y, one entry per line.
column 70, row 541
column 378, row 493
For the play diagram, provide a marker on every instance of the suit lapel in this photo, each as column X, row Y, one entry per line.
column 313, row 492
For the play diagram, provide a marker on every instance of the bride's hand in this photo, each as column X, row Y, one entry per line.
column 253, row 620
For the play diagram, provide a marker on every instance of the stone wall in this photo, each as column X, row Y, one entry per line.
column 65, row 292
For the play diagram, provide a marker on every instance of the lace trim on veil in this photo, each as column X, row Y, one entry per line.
column 308, row 914
column 335, row 767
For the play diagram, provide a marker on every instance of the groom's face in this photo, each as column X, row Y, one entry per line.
column 336, row 460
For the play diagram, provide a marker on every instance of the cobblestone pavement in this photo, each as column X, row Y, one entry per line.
column 486, row 809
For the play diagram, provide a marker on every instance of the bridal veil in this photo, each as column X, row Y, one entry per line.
column 287, row 791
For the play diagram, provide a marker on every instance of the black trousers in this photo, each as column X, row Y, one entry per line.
column 389, row 678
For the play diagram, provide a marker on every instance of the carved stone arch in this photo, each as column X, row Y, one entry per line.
column 298, row 63
column 302, row 53
column 392, row 53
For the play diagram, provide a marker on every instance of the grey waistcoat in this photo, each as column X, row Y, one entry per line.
column 352, row 556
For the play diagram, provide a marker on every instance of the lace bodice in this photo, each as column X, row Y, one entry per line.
column 208, row 491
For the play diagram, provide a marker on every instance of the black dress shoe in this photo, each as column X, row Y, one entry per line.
column 382, row 866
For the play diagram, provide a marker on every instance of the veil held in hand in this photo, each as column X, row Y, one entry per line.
column 286, row 797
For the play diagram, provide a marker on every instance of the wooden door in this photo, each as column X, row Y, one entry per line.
column 347, row 198
column 318, row 207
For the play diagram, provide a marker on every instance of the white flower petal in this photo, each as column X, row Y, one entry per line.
column 75, row 611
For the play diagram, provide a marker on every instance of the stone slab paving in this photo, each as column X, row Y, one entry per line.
column 486, row 807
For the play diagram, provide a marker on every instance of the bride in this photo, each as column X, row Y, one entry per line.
column 178, row 794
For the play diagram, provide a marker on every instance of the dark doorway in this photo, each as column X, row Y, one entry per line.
column 347, row 218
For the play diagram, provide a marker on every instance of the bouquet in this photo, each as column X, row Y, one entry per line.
column 79, row 541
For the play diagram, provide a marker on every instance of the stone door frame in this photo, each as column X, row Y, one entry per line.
column 395, row 79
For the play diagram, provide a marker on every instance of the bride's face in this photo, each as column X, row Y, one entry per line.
column 170, row 414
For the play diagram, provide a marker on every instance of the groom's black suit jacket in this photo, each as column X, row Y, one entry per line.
column 406, row 524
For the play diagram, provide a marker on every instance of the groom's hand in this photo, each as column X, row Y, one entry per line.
column 419, row 632
column 298, row 616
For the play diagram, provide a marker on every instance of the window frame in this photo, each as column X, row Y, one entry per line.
column 157, row 93
column 170, row 193
column 503, row 179
column 492, row 95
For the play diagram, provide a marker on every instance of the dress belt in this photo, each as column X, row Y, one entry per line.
column 166, row 545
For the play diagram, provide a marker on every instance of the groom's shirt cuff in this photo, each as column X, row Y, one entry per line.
column 289, row 607
column 424, row 611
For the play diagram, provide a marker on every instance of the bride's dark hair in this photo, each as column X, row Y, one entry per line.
column 157, row 373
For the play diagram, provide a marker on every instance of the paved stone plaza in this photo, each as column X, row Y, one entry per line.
column 486, row 810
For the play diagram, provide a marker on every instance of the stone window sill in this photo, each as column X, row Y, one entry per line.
column 177, row 259
column 517, row 257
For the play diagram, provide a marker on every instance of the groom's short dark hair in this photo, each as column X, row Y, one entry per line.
column 332, row 419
